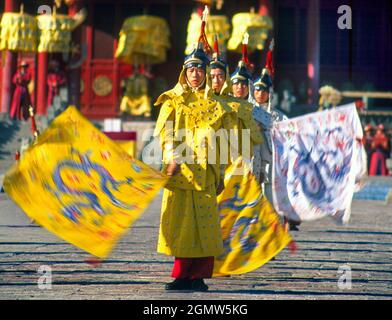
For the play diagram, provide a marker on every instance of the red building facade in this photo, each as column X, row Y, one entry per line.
column 359, row 57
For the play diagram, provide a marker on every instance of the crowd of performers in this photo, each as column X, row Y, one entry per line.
column 208, row 96
column 21, row 100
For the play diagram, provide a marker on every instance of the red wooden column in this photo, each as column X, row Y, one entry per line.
column 9, row 67
column 88, row 64
column 74, row 75
column 42, row 75
column 313, row 51
column 116, row 65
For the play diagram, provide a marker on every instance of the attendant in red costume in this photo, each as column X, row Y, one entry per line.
column 56, row 79
column 21, row 98
column 380, row 149
column 367, row 141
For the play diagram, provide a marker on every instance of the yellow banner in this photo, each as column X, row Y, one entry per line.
column 128, row 146
column 80, row 185
column 251, row 229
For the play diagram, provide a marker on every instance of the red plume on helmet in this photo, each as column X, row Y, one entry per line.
column 217, row 61
column 269, row 63
column 203, row 37
column 216, row 46
column 245, row 68
column 245, row 56
column 202, row 52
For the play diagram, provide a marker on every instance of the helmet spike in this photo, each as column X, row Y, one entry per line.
column 245, row 42
column 203, row 36
column 216, row 46
column 269, row 63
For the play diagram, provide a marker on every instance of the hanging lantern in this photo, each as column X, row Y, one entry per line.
column 217, row 24
column 143, row 40
column 18, row 32
column 55, row 32
column 256, row 25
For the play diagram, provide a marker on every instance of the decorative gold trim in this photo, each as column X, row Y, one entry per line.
column 102, row 86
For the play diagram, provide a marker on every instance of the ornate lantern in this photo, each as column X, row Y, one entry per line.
column 256, row 25
column 18, row 32
column 55, row 32
column 217, row 24
column 143, row 40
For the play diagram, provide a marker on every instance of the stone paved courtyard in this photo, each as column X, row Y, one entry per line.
column 135, row 271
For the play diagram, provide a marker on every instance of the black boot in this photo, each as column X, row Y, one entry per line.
column 293, row 227
column 179, row 284
column 199, row 285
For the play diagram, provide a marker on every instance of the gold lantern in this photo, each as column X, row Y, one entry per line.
column 256, row 25
column 143, row 40
column 55, row 32
column 217, row 24
column 18, row 32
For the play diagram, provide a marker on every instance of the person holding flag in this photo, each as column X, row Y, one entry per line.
column 265, row 116
column 247, row 218
column 190, row 225
column 262, row 113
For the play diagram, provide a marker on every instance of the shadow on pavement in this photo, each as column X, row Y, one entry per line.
column 300, row 293
column 8, row 130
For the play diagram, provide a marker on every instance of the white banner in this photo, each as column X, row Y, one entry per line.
column 318, row 158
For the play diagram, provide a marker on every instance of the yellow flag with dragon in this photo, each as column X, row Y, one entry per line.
column 251, row 229
column 80, row 185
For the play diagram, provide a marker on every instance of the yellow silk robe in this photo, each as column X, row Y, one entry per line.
column 238, row 117
column 190, row 224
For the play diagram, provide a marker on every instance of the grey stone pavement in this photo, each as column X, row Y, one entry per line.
column 135, row 271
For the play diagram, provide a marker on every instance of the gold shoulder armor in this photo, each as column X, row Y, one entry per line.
column 166, row 110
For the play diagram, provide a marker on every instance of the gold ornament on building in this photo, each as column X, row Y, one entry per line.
column 217, row 24
column 143, row 40
column 102, row 86
column 256, row 25
column 136, row 101
column 329, row 97
column 18, row 32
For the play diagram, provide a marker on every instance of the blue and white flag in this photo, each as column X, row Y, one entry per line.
column 318, row 160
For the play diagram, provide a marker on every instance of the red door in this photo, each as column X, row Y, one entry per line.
column 100, row 88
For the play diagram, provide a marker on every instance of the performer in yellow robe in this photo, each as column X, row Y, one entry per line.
column 190, row 225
